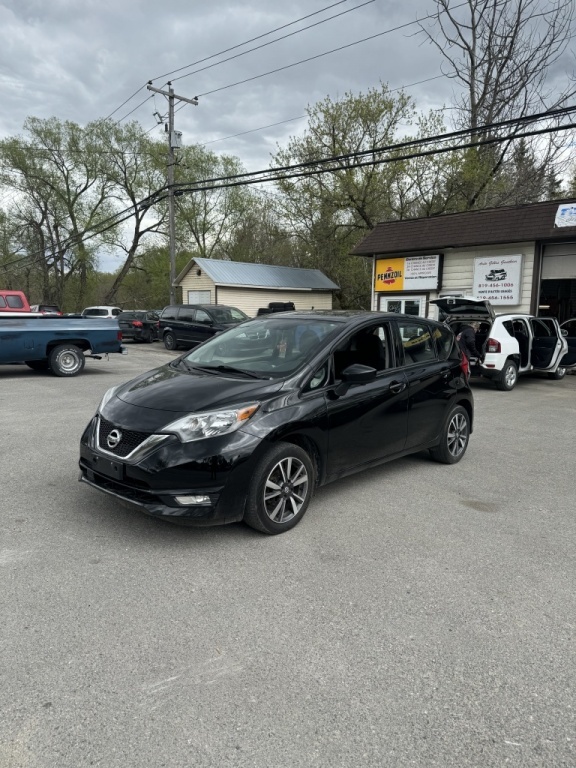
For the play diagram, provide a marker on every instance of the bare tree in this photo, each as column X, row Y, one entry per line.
column 503, row 53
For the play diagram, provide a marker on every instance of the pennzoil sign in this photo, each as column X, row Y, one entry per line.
column 407, row 274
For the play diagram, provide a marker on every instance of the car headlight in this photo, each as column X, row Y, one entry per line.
column 197, row 426
column 108, row 395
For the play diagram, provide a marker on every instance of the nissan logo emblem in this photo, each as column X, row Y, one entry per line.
column 114, row 438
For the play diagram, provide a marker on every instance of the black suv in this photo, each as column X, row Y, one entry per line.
column 246, row 426
column 187, row 325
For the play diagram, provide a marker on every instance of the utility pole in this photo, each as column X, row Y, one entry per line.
column 173, row 143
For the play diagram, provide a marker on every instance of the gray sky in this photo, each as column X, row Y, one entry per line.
column 82, row 60
column 79, row 60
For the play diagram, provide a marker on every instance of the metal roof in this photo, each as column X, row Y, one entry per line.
column 239, row 273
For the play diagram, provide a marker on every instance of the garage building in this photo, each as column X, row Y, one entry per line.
column 250, row 286
column 520, row 258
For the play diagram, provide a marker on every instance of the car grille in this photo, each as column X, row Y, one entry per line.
column 129, row 441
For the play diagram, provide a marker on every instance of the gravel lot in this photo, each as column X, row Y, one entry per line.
column 420, row 615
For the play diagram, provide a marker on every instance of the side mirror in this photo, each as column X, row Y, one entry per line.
column 354, row 374
column 563, row 331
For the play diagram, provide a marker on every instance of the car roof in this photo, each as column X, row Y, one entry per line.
column 345, row 316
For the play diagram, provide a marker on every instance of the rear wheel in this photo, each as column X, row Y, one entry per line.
column 170, row 341
column 37, row 365
column 558, row 374
column 508, row 376
column 455, row 436
column 66, row 360
column 281, row 489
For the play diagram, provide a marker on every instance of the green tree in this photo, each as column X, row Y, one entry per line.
column 326, row 214
column 59, row 202
column 500, row 53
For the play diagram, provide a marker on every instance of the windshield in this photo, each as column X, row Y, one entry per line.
column 270, row 348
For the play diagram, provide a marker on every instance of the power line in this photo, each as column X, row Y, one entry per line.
column 402, row 145
column 320, row 55
column 310, row 168
column 247, row 42
column 271, row 42
column 220, row 53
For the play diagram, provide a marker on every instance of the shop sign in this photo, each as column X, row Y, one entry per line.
column 498, row 279
column 411, row 273
column 565, row 216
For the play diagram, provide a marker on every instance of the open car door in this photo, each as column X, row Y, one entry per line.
column 548, row 345
column 569, row 359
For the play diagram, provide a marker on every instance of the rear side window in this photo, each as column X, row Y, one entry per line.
column 169, row 313
column 95, row 313
column 186, row 314
column 203, row 317
column 417, row 341
column 2, row 302
column 14, row 302
column 540, row 328
column 445, row 343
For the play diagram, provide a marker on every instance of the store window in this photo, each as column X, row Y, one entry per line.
column 403, row 305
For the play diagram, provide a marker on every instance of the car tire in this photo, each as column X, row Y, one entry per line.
column 66, row 360
column 507, row 377
column 455, row 437
column 170, row 341
column 281, row 488
column 37, row 365
column 558, row 374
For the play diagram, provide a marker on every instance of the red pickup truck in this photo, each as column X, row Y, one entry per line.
column 13, row 301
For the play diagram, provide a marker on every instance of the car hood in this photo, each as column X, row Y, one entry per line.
column 465, row 306
column 157, row 397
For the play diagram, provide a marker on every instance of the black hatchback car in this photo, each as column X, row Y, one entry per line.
column 247, row 425
column 187, row 325
column 139, row 325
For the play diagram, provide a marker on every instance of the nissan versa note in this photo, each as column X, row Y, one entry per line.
column 249, row 423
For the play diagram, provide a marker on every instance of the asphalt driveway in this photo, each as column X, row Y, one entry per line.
column 420, row 615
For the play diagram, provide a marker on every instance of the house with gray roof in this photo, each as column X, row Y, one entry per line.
column 250, row 286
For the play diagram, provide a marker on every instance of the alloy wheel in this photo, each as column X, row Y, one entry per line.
column 510, row 376
column 286, row 489
column 457, row 434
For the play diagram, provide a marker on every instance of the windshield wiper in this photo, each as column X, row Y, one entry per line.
column 227, row 369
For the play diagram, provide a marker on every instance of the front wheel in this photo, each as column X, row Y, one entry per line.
column 281, row 489
column 455, row 437
column 558, row 374
column 508, row 376
column 170, row 341
column 66, row 360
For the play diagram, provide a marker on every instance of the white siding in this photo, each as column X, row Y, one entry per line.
column 249, row 300
column 459, row 273
column 193, row 282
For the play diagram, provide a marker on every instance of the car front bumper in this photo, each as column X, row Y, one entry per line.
column 219, row 469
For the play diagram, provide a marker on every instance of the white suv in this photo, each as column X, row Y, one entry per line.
column 511, row 344
column 101, row 312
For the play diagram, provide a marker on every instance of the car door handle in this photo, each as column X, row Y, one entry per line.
column 397, row 386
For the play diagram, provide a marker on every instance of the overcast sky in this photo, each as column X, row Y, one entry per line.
column 80, row 60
